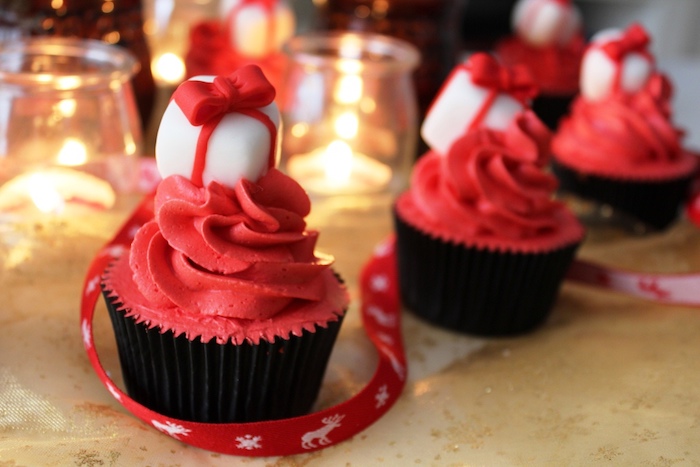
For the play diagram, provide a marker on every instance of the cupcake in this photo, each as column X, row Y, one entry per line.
column 482, row 247
column 548, row 39
column 222, row 310
column 619, row 147
column 244, row 32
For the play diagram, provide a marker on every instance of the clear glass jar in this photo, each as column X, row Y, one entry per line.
column 349, row 113
column 69, row 127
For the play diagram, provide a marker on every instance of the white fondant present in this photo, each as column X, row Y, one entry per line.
column 454, row 110
column 254, row 30
column 238, row 148
column 599, row 72
column 546, row 22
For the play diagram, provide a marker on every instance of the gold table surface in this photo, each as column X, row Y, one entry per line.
column 608, row 379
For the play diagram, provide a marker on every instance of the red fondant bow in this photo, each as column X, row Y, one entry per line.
column 486, row 71
column 205, row 104
column 634, row 39
column 245, row 88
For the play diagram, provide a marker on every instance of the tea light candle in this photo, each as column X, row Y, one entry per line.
column 55, row 190
column 337, row 169
column 349, row 113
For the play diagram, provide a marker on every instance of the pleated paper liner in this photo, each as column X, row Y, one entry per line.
column 477, row 291
column 656, row 204
column 218, row 383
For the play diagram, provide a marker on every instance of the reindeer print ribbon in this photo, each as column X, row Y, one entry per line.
column 380, row 313
column 381, row 319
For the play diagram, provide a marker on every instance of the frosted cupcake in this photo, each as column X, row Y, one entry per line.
column 482, row 247
column 244, row 32
column 548, row 39
column 222, row 310
column 619, row 146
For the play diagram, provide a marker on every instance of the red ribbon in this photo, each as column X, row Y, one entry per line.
column 487, row 72
column 205, row 104
column 634, row 39
column 380, row 313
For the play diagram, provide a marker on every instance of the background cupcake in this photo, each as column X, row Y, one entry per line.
column 244, row 32
column 481, row 245
column 548, row 39
column 619, row 146
column 222, row 311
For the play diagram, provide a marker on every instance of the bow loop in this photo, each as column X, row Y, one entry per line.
column 516, row 81
column 245, row 88
column 634, row 39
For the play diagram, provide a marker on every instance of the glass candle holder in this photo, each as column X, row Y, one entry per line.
column 69, row 126
column 349, row 113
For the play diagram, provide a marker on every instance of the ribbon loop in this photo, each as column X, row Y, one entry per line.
column 245, row 88
column 634, row 39
column 486, row 71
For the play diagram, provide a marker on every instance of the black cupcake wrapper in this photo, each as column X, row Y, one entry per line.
column 654, row 203
column 477, row 291
column 219, row 383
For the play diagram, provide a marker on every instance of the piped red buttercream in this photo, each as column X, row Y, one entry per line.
column 554, row 68
column 625, row 136
column 228, row 263
column 491, row 190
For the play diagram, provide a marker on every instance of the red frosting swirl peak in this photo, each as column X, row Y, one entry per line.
column 239, row 252
column 625, row 135
column 491, row 183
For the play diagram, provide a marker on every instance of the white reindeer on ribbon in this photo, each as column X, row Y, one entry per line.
column 308, row 440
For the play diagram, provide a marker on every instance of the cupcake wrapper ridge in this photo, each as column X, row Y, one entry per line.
column 655, row 203
column 477, row 291
column 220, row 383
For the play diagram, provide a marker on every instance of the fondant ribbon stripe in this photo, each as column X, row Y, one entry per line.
column 381, row 318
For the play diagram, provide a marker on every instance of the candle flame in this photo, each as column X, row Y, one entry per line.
column 51, row 190
column 337, row 162
column 66, row 107
column 346, row 125
column 72, row 153
column 348, row 89
column 169, row 68
column 44, row 194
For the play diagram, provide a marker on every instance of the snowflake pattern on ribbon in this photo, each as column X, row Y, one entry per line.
column 381, row 316
column 171, row 429
column 249, row 442
column 381, row 396
column 86, row 331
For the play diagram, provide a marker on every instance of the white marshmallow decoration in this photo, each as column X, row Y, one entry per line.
column 255, row 31
column 599, row 71
column 546, row 22
column 454, row 110
column 239, row 146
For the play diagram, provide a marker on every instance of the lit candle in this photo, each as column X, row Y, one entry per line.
column 57, row 191
column 350, row 115
column 337, row 169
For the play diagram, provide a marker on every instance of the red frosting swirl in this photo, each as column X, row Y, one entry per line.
column 239, row 253
column 624, row 135
column 491, row 185
column 554, row 68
